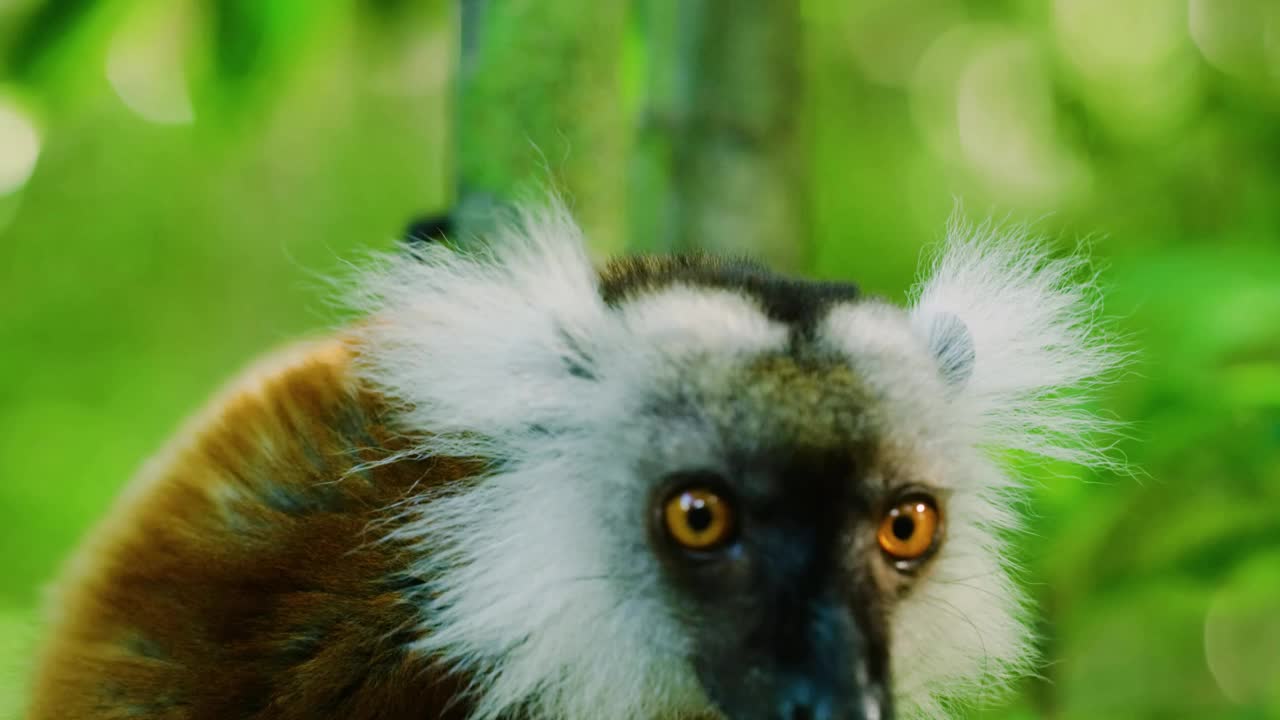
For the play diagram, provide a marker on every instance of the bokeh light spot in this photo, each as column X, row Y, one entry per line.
column 1234, row 35
column 145, row 65
column 1133, row 62
column 983, row 100
column 886, row 38
column 1242, row 636
column 1005, row 120
column 933, row 92
column 1101, row 36
column 19, row 146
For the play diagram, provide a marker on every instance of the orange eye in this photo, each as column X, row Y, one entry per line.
column 698, row 519
column 909, row 530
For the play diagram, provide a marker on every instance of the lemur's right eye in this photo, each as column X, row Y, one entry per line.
column 698, row 519
column 909, row 530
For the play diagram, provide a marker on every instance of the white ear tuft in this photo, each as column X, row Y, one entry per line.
column 495, row 340
column 1025, row 327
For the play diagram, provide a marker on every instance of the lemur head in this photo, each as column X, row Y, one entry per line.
column 712, row 491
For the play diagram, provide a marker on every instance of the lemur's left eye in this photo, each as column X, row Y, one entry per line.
column 910, row 529
column 698, row 519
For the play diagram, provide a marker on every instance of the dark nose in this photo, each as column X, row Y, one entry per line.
column 802, row 699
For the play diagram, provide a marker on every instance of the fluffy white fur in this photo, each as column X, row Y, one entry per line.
column 540, row 595
column 1035, row 329
column 1033, row 332
column 510, row 353
column 1025, row 326
column 960, row 629
column 707, row 319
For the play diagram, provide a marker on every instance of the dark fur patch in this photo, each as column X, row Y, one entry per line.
column 428, row 230
column 773, row 635
column 795, row 302
column 576, row 360
column 297, row 501
column 144, row 647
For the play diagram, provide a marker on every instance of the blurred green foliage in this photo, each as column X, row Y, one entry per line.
column 179, row 178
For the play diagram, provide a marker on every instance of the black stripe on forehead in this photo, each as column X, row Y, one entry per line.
column 799, row 303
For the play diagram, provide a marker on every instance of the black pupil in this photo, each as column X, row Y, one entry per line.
column 699, row 516
column 904, row 527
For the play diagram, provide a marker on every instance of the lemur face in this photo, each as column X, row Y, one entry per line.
column 784, row 556
column 714, row 491
column 787, row 531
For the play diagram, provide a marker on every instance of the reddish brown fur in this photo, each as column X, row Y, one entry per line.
column 243, row 576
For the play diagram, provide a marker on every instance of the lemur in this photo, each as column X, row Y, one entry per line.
column 522, row 486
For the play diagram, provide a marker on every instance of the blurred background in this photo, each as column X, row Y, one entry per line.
column 180, row 178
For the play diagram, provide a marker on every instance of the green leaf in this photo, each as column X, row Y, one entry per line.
column 42, row 33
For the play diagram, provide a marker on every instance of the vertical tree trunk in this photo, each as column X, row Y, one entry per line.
column 540, row 102
column 721, row 159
